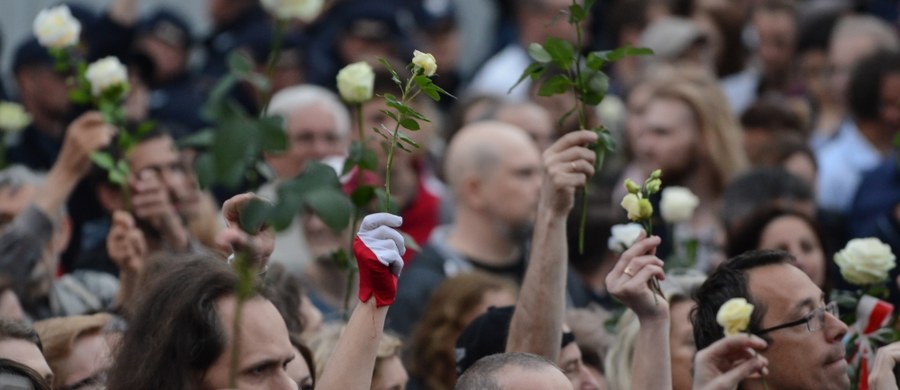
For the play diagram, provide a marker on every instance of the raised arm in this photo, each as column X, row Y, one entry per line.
column 379, row 253
column 536, row 325
column 628, row 283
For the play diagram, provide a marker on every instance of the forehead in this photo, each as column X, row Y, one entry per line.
column 153, row 152
column 315, row 117
column 780, row 288
column 263, row 332
column 666, row 112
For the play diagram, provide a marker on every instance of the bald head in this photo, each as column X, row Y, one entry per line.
column 478, row 147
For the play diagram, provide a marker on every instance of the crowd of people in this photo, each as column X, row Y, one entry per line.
column 778, row 115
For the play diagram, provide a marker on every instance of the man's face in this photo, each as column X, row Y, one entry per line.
column 573, row 367
column 86, row 364
column 44, row 90
column 265, row 348
column 670, row 139
column 312, row 135
column 160, row 155
column 512, row 188
column 27, row 353
column 534, row 120
column 777, row 34
column 798, row 358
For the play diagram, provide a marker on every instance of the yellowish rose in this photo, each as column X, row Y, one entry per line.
column 13, row 117
column 56, row 28
column 632, row 187
column 865, row 261
column 734, row 316
column 355, row 82
column 631, row 204
column 426, row 62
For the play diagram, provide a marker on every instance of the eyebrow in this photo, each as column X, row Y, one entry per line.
column 806, row 303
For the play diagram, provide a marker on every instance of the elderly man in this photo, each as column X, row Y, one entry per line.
column 514, row 370
column 317, row 126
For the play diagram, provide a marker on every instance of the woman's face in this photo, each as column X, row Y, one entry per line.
column 794, row 235
column 389, row 374
column 681, row 343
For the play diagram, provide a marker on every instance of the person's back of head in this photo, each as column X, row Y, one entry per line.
column 761, row 188
column 513, row 370
column 869, row 91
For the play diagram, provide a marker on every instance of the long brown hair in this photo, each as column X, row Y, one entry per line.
column 432, row 359
column 175, row 334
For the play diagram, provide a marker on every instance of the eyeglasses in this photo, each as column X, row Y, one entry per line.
column 814, row 321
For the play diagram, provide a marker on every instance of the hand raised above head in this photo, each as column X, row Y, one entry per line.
column 235, row 240
column 568, row 164
column 86, row 135
column 379, row 250
column 628, row 279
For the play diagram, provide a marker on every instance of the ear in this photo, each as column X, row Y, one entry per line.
column 473, row 191
column 109, row 198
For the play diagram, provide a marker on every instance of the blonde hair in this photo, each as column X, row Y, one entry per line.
column 58, row 336
column 721, row 133
column 323, row 344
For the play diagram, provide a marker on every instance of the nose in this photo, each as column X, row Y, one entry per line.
column 587, row 380
column 835, row 329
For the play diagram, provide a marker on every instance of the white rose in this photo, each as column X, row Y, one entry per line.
column 13, row 117
column 426, row 62
column 677, row 204
column 355, row 82
column 624, row 236
column 734, row 316
column 106, row 73
column 56, row 28
column 865, row 261
column 305, row 10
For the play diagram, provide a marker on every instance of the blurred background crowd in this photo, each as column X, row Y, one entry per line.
column 779, row 115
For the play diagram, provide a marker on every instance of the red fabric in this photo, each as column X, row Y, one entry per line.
column 375, row 278
column 420, row 218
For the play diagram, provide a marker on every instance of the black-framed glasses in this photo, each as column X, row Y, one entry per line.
column 814, row 321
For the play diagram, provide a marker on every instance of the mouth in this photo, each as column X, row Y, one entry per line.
column 836, row 359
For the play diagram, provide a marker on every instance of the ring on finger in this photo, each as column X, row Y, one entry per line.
column 574, row 167
column 628, row 271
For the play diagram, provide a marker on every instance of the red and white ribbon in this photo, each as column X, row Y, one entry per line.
column 872, row 315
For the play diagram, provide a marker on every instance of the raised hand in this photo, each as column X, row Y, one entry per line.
column 628, row 279
column 568, row 164
column 235, row 240
column 379, row 253
column 725, row 363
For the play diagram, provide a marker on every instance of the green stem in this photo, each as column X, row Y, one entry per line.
column 362, row 145
column 404, row 100
column 357, row 212
column 390, row 163
column 244, row 268
column 274, row 55
column 351, row 273
column 578, row 86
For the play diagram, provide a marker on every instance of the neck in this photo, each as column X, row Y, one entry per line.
column 478, row 238
column 879, row 137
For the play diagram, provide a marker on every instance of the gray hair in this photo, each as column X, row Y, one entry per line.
column 299, row 97
column 14, row 177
